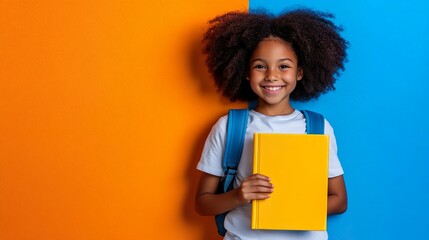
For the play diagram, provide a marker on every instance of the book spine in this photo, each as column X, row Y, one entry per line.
column 255, row 203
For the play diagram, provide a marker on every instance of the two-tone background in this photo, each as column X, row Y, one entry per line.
column 105, row 105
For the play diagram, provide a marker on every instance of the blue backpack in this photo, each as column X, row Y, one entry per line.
column 236, row 130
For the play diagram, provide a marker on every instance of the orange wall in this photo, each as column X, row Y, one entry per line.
column 104, row 108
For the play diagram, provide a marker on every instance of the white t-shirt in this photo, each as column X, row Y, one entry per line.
column 237, row 221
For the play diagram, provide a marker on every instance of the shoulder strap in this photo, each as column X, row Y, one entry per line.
column 235, row 134
column 236, row 130
column 315, row 122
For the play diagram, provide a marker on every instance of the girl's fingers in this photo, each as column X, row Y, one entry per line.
column 256, row 196
column 258, row 189
column 259, row 176
column 257, row 181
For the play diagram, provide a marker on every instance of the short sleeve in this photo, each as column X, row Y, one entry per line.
column 211, row 157
column 335, row 168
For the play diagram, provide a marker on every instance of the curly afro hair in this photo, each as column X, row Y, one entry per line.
column 232, row 37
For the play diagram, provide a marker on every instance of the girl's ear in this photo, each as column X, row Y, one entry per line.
column 299, row 74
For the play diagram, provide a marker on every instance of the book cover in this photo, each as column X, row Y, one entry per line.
column 298, row 167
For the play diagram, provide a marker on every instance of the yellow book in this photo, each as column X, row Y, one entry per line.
column 298, row 167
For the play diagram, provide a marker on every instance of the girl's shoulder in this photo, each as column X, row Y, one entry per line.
column 220, row 125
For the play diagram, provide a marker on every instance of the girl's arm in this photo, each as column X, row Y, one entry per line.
column 337, row 195
column 207, row 202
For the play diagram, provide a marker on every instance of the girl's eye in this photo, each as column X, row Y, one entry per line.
column 259, row 66
column 284, row 66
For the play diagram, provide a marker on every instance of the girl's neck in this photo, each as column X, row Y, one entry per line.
column 274, row 110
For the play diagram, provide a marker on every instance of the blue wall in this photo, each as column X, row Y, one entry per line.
column 378, row 112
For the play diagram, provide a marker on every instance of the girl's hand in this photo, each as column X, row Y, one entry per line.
column 254, row 187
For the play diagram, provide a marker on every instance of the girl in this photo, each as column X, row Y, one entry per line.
column 256, row 56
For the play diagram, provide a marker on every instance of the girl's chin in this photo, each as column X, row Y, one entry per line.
column 272, row 101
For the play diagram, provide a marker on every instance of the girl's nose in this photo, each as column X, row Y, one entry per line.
column 271, row 75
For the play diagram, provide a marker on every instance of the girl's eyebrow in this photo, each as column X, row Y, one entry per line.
column 285, row 59
column 280, row 60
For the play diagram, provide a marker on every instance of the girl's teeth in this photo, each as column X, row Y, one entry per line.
column 273, row 88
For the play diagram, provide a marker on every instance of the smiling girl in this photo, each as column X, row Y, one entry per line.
column 272, row 59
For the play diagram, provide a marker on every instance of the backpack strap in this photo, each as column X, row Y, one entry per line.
column 236, row 130
column 235, row 134
column 314, row 122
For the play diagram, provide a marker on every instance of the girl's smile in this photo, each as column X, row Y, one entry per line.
column 272, row 89
column 273, row 75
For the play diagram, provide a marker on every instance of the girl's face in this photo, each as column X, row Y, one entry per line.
column 274, row 72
